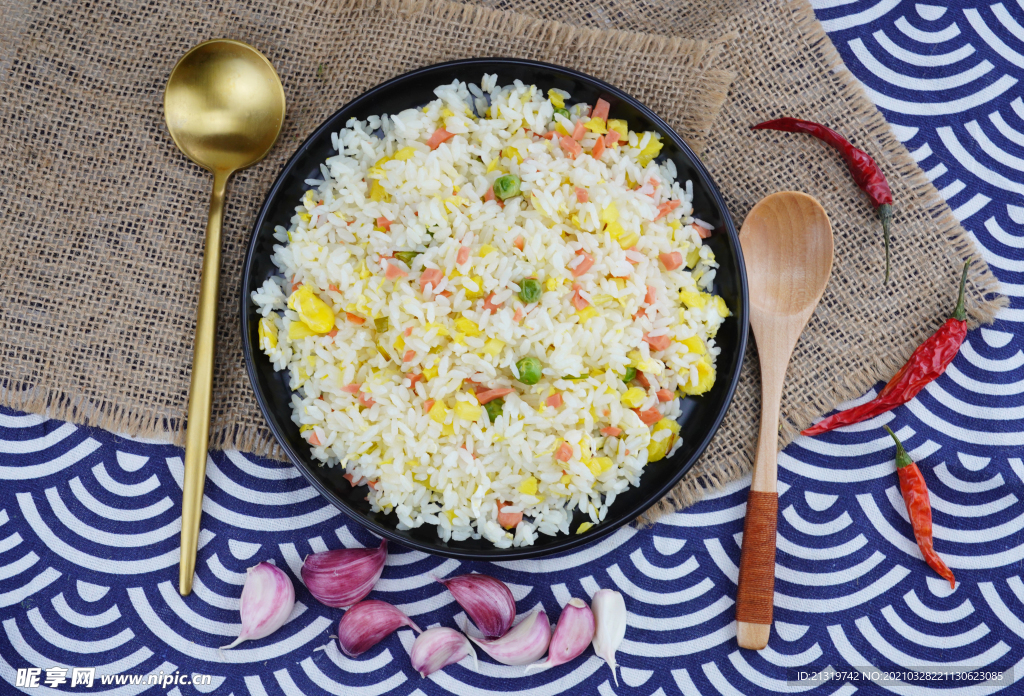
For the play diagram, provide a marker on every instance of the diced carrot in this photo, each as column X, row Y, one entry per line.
column 427, row 405
column 601, row 110
column 439, row 136
column 489, row 305
column 650, row 416
column 463, row 255
column 581, row 195
column 671, row 260
column 409, row 355
column 555, row 400
column 584, row 265
column 612, row 138
column 333, row 287
column 489, row 195
column 349, row 478
column 295, row 284
column 354, row 318
column 519, row 242
column 665, row 395
column 352, row 388
column 666, row 208
column 372, row 484
column 578, row 301
column 518, row 317
column 579, row 131
column 333, row 332
column 703, row 232
column 446, row 293
column 611, row 431
column 414, row 378
column 314, row 440
column 651, row 296
column 408, row 331
column 508, row 520
column 598, row 148
column 491, row 394
column 431, row 277
column 366, row 400
column 659, row 342
column 571, row 147
column 564, row 452
column 642, row 379
column 384, row 223
column 547, row 136
column 394, row 272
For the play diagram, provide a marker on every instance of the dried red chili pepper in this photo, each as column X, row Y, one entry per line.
column 925, row 365
column 866, row 173
column 915, row 495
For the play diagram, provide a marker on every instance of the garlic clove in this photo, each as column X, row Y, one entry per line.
column 436, row 648
column 268, row 598
column 368, row 623
column 486, row 600
column 342, row 577
column 573, row 633
column 524, row 644
column 610, row 626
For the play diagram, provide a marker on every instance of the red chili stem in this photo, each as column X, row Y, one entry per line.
column 926, row 364
column 865, row 171
column 919, row 508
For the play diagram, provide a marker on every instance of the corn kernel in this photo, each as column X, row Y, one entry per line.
column 438, row 412
column 479, row 292
column 633, row 397
column 492, row 166
column 629, row 241
column 695, row 345
column 468, row 411
column 268, row 334
column 610, row 213
column 566, row 479
column 586, row 314
column 404, row 154
column 614, row 229
column 467, row 326
column 302, row 374
column 674, row 224
column 493, row 347
column 529, row 486
column 459, row 338
column 450, row 514
column 512, row 153
column 721, row 307
column 430, row 372
column 584, row 527
column 447, row 429
column 446, row 112
column 305, row 217
column 620, row 283
column 693, row 299
column 377, row 192
column 556, row 99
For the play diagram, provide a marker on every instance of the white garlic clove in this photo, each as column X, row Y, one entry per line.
column 342, row 577
column 436, row 648
column 573, row 633
column 368, row 623
column 524, row 644
column 486, row 600
column 610, row 626
column 268, row 597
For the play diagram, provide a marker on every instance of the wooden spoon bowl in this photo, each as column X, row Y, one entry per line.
column 788, row 252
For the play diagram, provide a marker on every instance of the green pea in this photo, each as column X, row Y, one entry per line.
column 381, row 324
column 529, row 370
column 529, row 290
column 564, row 113
column 407, row 256
column 630, row 375
column 507, row 186
column 494, row 408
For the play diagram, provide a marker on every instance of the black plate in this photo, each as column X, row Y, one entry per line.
column 701, row 415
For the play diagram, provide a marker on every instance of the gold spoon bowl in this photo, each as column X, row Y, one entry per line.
column 224, row 107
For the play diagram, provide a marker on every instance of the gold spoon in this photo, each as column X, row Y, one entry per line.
column 224, row 107
column 787, row 248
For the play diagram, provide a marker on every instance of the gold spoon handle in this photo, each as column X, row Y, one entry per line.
column 200, row 396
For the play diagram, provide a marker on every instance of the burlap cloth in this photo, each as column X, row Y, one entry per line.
column 103, row 219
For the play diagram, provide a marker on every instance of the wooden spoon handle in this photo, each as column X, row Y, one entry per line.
column 755, row 596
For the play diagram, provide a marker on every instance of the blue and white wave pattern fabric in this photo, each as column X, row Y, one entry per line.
column 89, row 521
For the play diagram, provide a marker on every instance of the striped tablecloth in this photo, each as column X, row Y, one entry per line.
column 89, row 520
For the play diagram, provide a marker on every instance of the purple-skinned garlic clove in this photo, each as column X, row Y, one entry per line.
column 573, row 633
column 436, row 648
column 610, row 626
column 486, row 600
column 268, row 597
column 342, row 577
column 368, row 623
column 525, row 643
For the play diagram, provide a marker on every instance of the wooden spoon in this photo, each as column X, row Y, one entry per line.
column 787, row 248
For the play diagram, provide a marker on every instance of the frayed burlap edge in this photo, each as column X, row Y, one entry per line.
column 707, row 477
